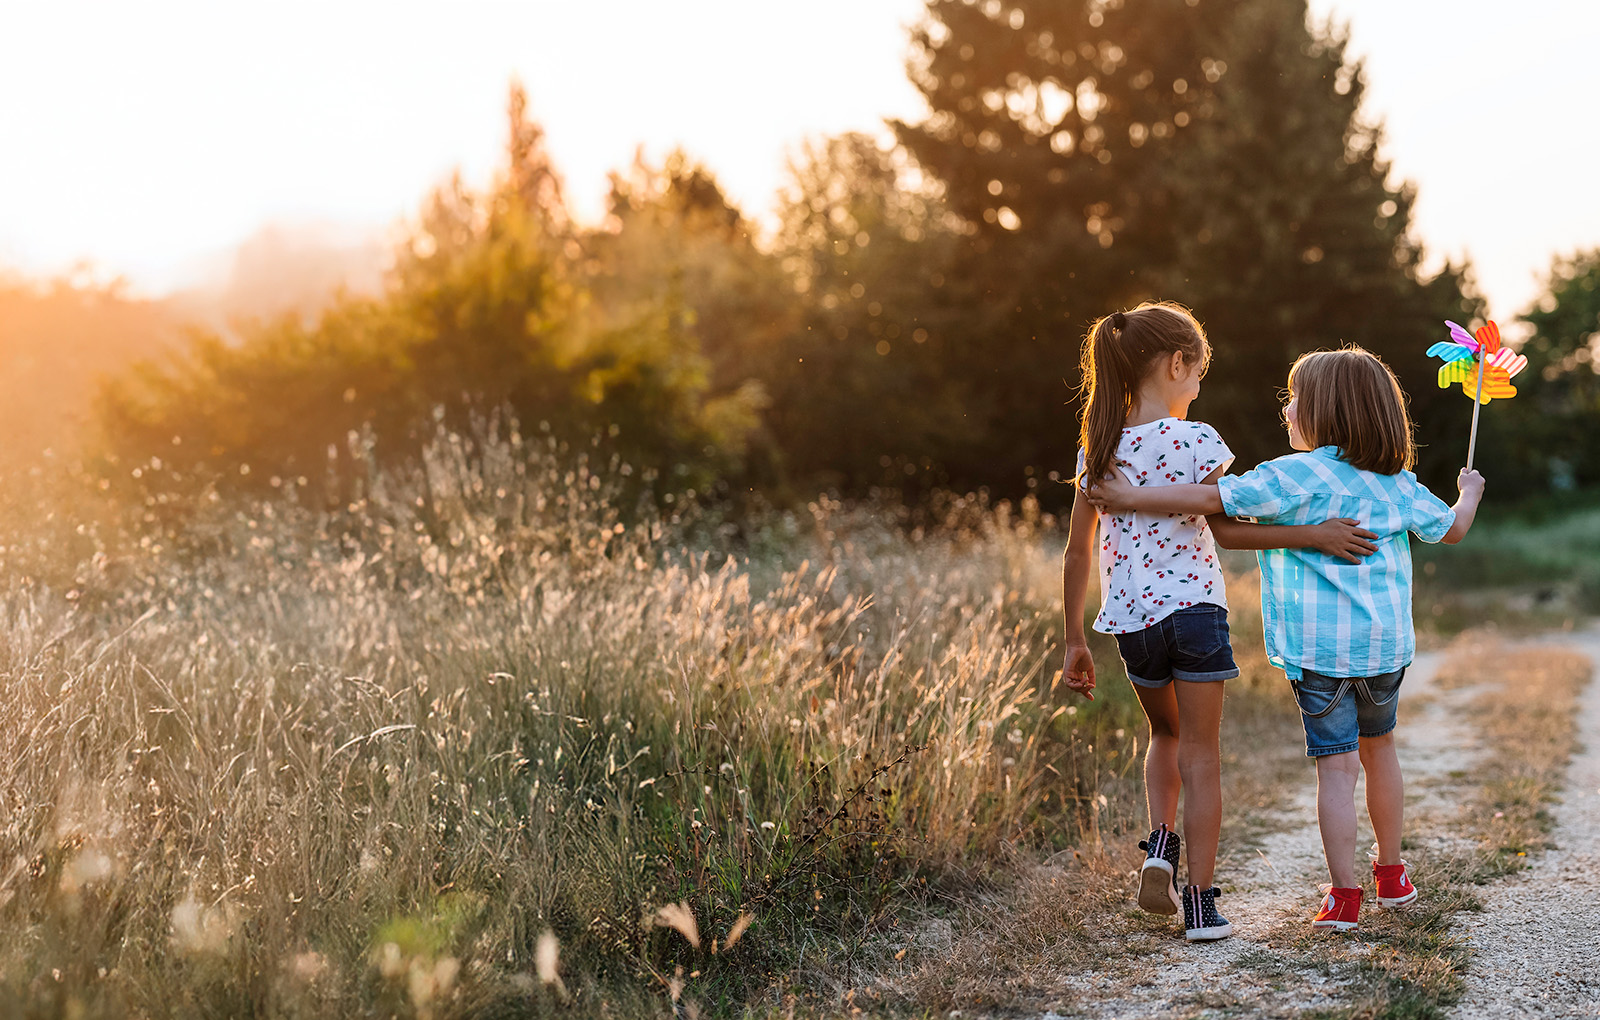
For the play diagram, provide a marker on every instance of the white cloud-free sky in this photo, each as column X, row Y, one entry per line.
column 148, row 137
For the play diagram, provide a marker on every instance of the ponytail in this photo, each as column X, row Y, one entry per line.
column 1117, row 353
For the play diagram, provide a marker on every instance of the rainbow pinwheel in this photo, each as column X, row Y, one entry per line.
column 1481, row 365
column 1465, row 354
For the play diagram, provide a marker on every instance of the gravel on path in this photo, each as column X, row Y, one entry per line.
column 1536, row 943
column 1278, row 880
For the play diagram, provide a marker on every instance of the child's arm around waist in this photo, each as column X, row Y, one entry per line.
column 1339, row 536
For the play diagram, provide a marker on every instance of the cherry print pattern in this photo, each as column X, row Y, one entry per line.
column 1154, row 564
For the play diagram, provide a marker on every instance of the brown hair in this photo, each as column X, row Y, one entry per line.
column 1350, row 399
column 1117, row 354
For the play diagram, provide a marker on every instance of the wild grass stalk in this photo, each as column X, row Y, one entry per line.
column 285, row 761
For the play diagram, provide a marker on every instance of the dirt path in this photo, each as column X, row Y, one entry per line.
column 1271, row 890
column 1537, row 952
column 1536, row 946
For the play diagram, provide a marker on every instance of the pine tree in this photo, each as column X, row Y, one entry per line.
column 1102, row 152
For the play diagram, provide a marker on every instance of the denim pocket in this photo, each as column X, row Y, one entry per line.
column 1198, row 633
column 1136, row 653
column 1381, row 690
column 1317, row 695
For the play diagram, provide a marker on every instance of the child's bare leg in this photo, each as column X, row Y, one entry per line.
column 1336, row 814
column 1161, row 779
column 1386, row 794
column 1200, row 766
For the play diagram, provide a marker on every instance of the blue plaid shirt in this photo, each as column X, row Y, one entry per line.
column 1320, row 612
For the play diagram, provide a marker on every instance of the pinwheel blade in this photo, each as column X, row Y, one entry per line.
column 1495, row 382
column 1449, row 351
column 1508, row 360
column 1462, row 337
column 1489, row 336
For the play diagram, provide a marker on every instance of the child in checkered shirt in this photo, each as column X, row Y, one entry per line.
column 1161, row 586
column 1341, row 632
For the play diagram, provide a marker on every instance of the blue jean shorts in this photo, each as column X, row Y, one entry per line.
column 1191, row 644
column 1338, row 711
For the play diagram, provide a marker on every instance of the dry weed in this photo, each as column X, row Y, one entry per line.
column 268, row 758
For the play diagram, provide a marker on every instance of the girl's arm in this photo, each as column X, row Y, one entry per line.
column 1077, row 670
column 1471, row 485
column 1115, row 494
column 1342, row 537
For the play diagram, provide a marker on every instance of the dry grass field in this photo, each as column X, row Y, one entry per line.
column 494, row 741
column 462, row 748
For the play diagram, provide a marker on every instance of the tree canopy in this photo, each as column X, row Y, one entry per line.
column 912, row 318
column 1544, row 439
column 1102, row 153
column 496, row 302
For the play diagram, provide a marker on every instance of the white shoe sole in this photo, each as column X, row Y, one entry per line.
column 1390, row 903
column 1335, row 925
column 1211, row 934
column 1157, row 894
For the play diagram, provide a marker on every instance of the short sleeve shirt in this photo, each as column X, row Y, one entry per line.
column 1320, row 612
column 1153, row 564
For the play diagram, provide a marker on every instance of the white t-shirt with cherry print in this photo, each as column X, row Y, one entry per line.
column 1151, row 564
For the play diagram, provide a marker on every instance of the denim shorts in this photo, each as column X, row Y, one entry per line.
column 1191, row 644
column 1337, row 711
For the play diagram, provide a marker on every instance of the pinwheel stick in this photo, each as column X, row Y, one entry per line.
column 1477, row 405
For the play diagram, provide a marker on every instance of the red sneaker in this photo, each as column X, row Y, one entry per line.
column 1341, row 909
column 1394, row 885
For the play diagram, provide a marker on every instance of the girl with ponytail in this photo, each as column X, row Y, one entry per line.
column 1161, row 587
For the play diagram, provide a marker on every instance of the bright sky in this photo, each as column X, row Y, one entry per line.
column 150, row 137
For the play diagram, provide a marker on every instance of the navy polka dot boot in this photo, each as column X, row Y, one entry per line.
column 1201, row 922
column 1158, row 890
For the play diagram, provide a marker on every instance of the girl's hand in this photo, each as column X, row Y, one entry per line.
column 1112, row 494
column 1342, row 537
column 1470, row 485
column 1078, row 670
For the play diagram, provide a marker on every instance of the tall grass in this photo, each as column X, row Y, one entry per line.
column 1526, row 566
column 295, row 763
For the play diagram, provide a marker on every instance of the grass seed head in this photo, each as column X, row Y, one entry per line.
column 680, row 918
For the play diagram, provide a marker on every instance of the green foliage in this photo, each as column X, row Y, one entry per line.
column 865, row 389
column 1205, row 152
column 490, row 306
column 1544, row 439
column 674, row 249
column 913, row 322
